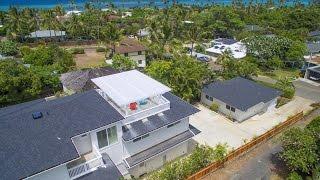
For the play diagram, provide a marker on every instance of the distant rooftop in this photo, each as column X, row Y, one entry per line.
column 225, row 41
column 314, row 33
column 79, row 81
column 313, row 47
column 130, row 86
column 240, row 93
column 128, row 45
column 47, row 33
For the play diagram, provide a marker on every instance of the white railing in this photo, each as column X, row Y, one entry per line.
column 87, row 166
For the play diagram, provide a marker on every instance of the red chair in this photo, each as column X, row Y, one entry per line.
column 133, row 106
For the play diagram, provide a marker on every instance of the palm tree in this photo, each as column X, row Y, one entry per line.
column 193, row 34
column 73, row 26
column 111, row 34
column 13, row 22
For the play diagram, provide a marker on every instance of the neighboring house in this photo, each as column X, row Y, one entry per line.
column 60, row 35
column 75, row 12
column 80, row 81
column 220, row 45
column 131, row 48
column 130, row 126
column 313, row 48
column 240, row 98
column 313, row 73
column 142, row 33
column 315, row 35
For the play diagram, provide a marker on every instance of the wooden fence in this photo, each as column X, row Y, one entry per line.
column 248, row 146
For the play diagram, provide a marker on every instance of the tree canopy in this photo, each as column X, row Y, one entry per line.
column 183, row 74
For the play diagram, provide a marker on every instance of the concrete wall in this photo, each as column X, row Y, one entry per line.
column 238, row 114
column 59, row 172
column 155, row 137
column 158, row 161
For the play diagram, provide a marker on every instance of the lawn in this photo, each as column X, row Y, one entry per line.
column 282, row 73
column 90, row 59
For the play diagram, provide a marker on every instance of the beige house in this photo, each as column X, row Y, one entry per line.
column 133, row 49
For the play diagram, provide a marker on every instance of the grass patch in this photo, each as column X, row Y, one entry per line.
column 282, row 73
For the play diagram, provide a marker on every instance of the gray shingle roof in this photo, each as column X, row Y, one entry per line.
column 314, row 33
column 313, row 47
column 110, row 172
column 178, row 109
column 29, row 146
column 226, row 41
column 80, row 81
column 240, row 93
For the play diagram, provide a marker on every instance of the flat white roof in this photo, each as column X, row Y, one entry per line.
column 130, row 86
column 238, row 49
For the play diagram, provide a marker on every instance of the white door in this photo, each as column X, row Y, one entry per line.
column 83, row 144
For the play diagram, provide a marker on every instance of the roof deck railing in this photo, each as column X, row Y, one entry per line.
column 86, row 167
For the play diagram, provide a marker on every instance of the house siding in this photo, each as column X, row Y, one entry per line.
column 136, row 57
column 155, row 137
column 239, row 115
column 157, row 161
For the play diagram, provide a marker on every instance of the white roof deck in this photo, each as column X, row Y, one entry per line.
column 238, row 49
column 130, row 86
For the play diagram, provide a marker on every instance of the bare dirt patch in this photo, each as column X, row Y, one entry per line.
column 91, row 58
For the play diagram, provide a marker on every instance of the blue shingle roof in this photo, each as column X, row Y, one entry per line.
column 240, row 93
column 313, row 47
column 314, row 33
column 179, row 109
column 29, row 146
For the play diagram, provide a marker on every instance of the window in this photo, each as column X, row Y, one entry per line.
column 102, row 138
column 126, row 54
column 139, row 52
column 210, row 98
column 107, row 137
column 173, row 124
column 233, row 109
column 112, row 135
column 140, row 62
column 228, row 107
column 164, row 159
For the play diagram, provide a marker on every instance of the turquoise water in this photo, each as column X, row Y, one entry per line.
column 45, row 4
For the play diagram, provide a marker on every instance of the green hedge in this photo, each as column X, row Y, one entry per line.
column 214, row 107
column 77, row 51
column 201, row 157
column 101, row 49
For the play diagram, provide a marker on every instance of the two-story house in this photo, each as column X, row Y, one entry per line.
column 131, row 48
column 131, row 125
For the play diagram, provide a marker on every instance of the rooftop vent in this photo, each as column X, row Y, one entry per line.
column 37, row 115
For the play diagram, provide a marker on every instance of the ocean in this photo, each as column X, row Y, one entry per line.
column 45, row 4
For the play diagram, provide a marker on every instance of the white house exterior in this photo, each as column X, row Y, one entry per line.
column 131, row 125
column 133, row 49
column 220, row 45
column 240, row 98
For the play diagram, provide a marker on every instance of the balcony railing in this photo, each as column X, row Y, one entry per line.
column 152, row 106
column 87, row 166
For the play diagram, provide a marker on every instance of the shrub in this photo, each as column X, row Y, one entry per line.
column 8, row 48
column 214, row 107
column 294, row 176
column 101, row 49
column 288, row 92
column 201, row 157
column 199, row 49
column 77, row 51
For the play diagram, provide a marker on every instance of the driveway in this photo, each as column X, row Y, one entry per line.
column 307, row 89
column 215, row 128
